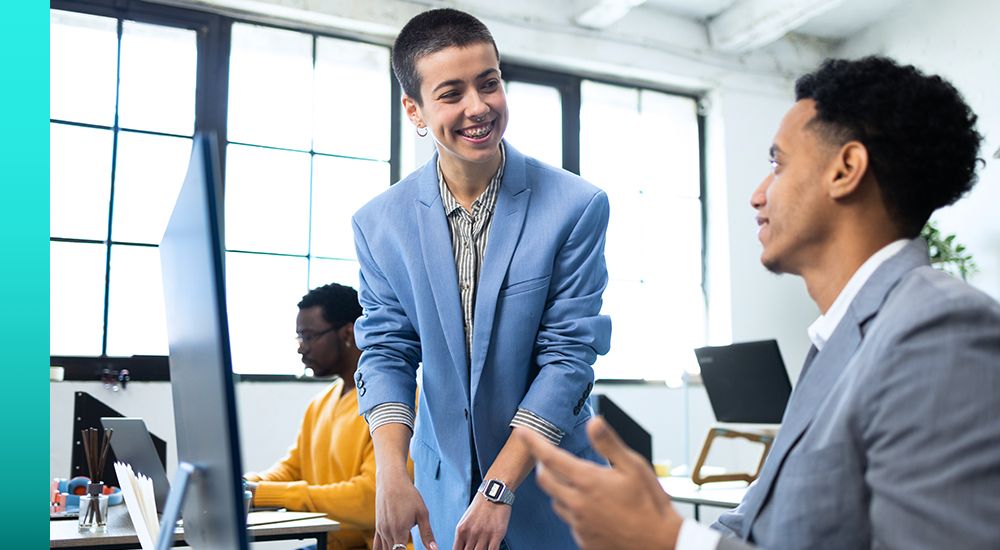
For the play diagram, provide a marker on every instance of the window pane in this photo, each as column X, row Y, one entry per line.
column 79, row 182
column 654, row 260
column 535, row 126
column 76, row 298
column 150, row 172
column 352, row 113
column 136, row 317
column 668, row 137
column 83, row 67
column 270, row 87
column 345, row 272
column 262, row 292
column 157, row 78
column 340, row 188
column 267, row 200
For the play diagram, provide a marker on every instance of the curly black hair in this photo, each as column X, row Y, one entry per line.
column 920, row 134
column 430, row 32
column 339, row 302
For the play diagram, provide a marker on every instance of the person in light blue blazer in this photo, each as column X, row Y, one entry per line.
column 890, row 438
column 487, row 268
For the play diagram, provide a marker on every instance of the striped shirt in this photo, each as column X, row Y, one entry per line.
column 470, row 231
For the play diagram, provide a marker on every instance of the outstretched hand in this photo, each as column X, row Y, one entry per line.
column 607, row 508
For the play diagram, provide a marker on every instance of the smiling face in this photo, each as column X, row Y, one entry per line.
column 794, row 211
column 464, row 104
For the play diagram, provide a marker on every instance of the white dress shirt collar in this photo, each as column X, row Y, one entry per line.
column 823, row 327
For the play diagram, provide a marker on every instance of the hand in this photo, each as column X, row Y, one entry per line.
column 252, row 487
column 398, row 507
column 607, row 508
column 483, row 525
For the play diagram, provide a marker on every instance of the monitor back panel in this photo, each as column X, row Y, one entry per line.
column 746, row 382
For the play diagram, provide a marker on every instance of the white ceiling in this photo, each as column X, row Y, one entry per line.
column 841, row 19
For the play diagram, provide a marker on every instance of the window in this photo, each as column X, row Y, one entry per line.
column 309, row 144
column 122, row 117
column 312, row 130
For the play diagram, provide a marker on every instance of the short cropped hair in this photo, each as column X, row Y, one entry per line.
column 340, row 303
column 431, row 32
column 920, row 134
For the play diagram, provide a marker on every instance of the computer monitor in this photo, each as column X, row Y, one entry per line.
column 201, row 374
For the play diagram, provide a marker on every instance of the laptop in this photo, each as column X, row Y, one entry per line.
column 133, row 445
column 746, row 382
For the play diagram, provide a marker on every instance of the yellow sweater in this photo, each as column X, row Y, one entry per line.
column 330, row 469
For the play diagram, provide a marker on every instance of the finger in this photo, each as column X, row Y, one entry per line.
column 607, row 442
column 556, row 487
column 564, row 513
column 377, row 543
column 557, row 460
column 424, row 527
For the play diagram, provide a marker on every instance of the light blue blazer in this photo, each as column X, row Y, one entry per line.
column 537, row 330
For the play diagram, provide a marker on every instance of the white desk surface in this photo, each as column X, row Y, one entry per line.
column 65, row 534
column 724, row 494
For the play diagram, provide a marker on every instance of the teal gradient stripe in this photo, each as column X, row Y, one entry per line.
column 24, row 288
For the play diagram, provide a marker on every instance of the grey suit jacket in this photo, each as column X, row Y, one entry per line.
column 891, row 438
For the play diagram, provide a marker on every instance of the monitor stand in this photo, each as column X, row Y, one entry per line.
column 764, row 437
column 175, row 503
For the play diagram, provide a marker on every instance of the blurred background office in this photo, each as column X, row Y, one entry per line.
column 668, row 105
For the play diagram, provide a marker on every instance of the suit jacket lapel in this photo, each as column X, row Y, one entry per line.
column 505, row 231
column 439, row 261
column 817, row 379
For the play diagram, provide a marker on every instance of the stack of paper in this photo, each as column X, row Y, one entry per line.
column 139, row 499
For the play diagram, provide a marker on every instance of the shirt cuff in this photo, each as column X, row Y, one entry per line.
column 695, row 536
column 389, row 413
column 524, row 418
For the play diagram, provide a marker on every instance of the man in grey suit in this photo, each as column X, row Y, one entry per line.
column 891, row 438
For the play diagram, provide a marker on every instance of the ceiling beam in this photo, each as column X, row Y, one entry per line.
column 605, row 13
column 751, row 24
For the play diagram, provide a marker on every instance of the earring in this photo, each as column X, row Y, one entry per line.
column 424, row 128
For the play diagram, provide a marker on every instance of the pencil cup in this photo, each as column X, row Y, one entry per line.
column 94, row 509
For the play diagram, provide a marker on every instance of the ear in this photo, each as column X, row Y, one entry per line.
column 849, row 167
column 347, row 333
column 412, row 111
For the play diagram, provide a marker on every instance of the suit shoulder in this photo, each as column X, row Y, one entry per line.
column 929, row 291
column 388, row 202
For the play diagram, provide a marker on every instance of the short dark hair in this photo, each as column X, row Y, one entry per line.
column 920, row 134
column 340, row 303
column 431, row 32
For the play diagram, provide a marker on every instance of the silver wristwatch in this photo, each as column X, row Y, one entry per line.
column 495, row 490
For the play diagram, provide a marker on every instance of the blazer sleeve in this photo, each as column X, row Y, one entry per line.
column 929, row 427
column 572, row 332
column 389, row 343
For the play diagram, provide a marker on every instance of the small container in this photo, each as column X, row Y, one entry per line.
column 94, row 509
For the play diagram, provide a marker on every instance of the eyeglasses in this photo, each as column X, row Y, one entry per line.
column 310, row 336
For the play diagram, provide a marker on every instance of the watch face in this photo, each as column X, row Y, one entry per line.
column 493, row 490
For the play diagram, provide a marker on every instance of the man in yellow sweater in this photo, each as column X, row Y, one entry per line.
column 331, row 466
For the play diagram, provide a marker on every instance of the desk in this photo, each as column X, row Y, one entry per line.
column 121, row 535
column 724, row 494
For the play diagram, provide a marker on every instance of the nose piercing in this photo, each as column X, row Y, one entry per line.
column 479, row 118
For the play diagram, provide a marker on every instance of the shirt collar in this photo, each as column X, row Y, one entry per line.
column 485, row 201
column 823, row 327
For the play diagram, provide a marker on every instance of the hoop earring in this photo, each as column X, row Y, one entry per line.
column 424, row 128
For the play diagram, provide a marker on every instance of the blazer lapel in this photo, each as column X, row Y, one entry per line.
column 818, row 378
column 505, row 231
column 439, row 261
